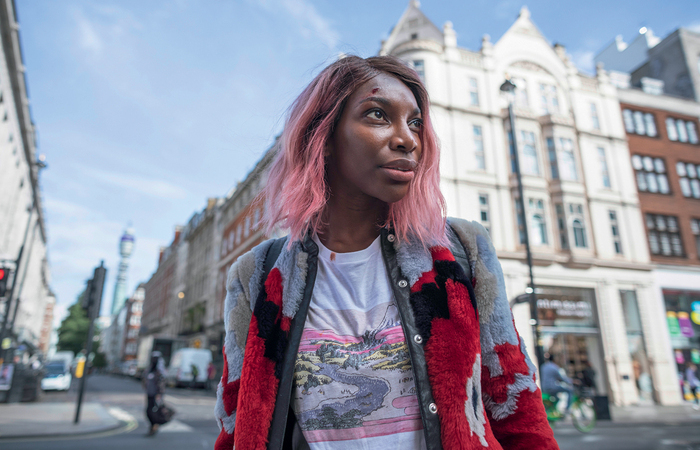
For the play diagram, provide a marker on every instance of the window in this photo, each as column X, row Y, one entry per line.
column 615, row 230
column 473, row 92
column 681, row 130
column 604, row 172
column 246, row 229
column 479, row 148
column 695, row 228
column 484, row 212
column 594, row 117
column 562, row 165
column 567, row 161
column 650, row 174
column 579, row 234
column 419, row 67
column 521, row 225
column 135, row 320
column 521, row 100
column 552, row 152
column 638, row 122
column 529, row 164
column 538, row 232
column 664, row 235
column 688, row 178
column 561, row 225
column 550, row 101
column 577, row 225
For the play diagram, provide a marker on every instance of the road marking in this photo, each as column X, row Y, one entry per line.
column 175, row 426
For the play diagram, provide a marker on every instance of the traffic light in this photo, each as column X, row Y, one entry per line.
column 4, row 275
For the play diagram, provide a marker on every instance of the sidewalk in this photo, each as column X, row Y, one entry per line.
column 654, row 414
column 52, row 420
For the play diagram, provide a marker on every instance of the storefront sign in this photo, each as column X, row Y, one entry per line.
column 695, row 356
column 672, row 320
column 695, row 313
column 685, row 325
column 680, row 359
column 569, row 307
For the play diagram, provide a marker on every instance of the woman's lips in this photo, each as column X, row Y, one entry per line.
column 402, row 176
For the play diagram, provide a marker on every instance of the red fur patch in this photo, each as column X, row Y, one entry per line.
column 273, row 288
column 426, row 278
column 256, row 401
column 225, row 440
column 286, row 324
column 450, row 355
column 441, row 254
column 512, row 361
column 526, row 430
column 230, row 394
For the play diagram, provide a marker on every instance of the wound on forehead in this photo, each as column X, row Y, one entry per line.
column 375, row 90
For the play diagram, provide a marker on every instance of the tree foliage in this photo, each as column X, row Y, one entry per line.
column 72, row 334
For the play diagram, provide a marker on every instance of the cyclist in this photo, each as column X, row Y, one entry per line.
column 554, row 381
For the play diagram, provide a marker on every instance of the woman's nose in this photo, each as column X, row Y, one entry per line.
column 404, row 140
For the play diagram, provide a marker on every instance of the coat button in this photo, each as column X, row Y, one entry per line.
column 433, row 408
column 403, row 284
column 391, row 238
column 418, row 339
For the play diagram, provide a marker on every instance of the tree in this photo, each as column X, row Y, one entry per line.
column 72, row 334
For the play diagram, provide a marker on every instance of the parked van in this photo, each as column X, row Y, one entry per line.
column 180, row 370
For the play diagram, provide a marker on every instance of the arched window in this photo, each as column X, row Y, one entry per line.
column 539, row 230
column 579, row 234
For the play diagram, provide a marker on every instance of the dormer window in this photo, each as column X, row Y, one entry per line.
column 414, row 36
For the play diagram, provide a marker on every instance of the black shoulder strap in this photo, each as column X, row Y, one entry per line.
column 460, row 252
column 272, row 254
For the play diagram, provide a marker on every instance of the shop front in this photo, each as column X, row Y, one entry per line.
column 570, row 333
column 683, row 320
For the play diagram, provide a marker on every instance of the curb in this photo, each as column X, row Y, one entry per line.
column 125, row 423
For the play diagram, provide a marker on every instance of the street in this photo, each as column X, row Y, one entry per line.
column 194, row 425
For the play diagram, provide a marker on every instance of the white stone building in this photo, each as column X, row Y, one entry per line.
column 588, row 239
column 21, row 209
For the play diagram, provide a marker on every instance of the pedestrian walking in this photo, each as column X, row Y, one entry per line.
column 691, row 377
column 154, row 383
column 362, row 328
column 211, row 375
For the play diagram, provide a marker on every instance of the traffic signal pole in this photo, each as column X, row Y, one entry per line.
column 93, row 301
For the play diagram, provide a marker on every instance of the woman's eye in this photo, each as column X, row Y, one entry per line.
column 416, row 123
column 376, row 114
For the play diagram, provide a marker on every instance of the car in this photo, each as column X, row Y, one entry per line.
column 180, row 370
column 58, row 376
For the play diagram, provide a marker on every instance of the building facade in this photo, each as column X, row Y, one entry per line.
column 665, row 154
column 22, row 224
column 199, row 300
column 132, row 324
column 240, row 230
column 126, row 248
column 164, row 291
column 590, row 255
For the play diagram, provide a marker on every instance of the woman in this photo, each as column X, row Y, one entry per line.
column 693, row 383
column 362, row 330
column 154, row 382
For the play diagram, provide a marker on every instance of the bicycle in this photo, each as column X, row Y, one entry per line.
column 582, row 411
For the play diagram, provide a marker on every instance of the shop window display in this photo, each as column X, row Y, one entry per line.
column 683, row 321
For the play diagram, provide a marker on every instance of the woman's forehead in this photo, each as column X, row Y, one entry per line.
column 385, row 86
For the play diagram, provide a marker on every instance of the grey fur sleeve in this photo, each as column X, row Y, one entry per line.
column 495, row 319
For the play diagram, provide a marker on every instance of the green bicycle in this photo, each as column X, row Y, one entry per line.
column 582, row 411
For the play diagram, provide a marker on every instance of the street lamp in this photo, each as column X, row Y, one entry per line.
column 509, row 88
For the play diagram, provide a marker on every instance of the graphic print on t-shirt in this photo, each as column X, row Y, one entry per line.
column 354, row 387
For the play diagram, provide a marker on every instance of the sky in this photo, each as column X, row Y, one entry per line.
column 146, row 109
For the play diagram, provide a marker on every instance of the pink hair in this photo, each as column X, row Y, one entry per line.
column 297, row 192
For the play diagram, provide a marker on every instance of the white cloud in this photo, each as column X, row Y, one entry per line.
column 694, row 26
column 88, row 37
column 311, row 22
column 583, row 59
column 141, row 184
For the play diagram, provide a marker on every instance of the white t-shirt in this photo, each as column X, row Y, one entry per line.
column 353, row 382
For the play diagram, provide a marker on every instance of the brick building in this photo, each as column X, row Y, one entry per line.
column 664, row 148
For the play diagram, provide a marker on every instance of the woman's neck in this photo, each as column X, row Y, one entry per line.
column 350, row 224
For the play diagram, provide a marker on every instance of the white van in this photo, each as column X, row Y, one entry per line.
column 180, row 370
